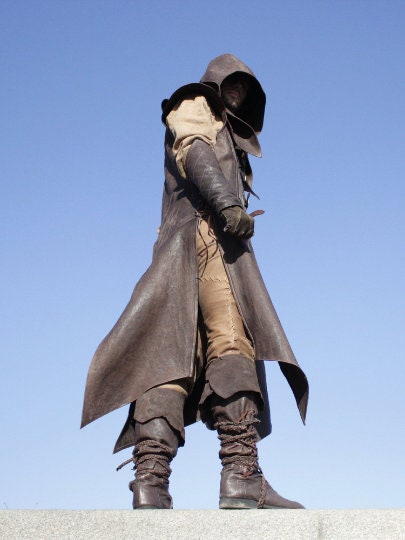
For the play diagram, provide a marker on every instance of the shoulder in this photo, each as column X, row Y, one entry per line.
column 194, row 109
column 194, row 97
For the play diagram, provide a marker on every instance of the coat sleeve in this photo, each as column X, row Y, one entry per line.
column 192, row 118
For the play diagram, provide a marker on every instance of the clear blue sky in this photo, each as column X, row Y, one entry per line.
column 81, row 176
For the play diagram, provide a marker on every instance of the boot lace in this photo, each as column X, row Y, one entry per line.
column 148, row 455
column 242, row 433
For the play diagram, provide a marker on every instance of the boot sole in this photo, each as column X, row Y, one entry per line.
column 150, row 507
column 227, row 503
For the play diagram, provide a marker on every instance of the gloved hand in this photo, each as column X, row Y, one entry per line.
column 238, row 222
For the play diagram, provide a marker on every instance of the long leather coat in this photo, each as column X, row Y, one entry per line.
column 154, row 340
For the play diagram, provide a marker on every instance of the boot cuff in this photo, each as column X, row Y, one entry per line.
column 225, row 377
column 162, row 403
column 231, row 374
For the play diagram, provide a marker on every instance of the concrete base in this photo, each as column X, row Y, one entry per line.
column 203, row 524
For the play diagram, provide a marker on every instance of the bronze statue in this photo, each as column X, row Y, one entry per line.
column 191, row 342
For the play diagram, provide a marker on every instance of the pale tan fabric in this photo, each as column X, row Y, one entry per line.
column 223, row 323
column 192, row 119
column 181, row 386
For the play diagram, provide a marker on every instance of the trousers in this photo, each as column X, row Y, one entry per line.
column 224, row 328
column 224, row 331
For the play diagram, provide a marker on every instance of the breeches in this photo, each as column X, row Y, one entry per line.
column 222, row 325
column 224, row 329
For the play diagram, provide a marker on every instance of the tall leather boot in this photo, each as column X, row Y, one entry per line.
column 159, row 431
column 243, row 485
column 156, row 445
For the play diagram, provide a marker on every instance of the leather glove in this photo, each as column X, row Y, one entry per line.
column 238, row 222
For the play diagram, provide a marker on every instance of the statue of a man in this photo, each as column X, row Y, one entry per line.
column 191, row 342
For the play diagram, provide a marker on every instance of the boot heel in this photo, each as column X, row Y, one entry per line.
column 229, row 503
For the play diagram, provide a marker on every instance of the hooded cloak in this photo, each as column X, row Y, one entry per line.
column 155, row 339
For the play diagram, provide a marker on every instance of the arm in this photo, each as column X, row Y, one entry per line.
column 195, row 128
column 192, row 119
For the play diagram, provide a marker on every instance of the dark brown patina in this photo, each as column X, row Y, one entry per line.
column 154, row 340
